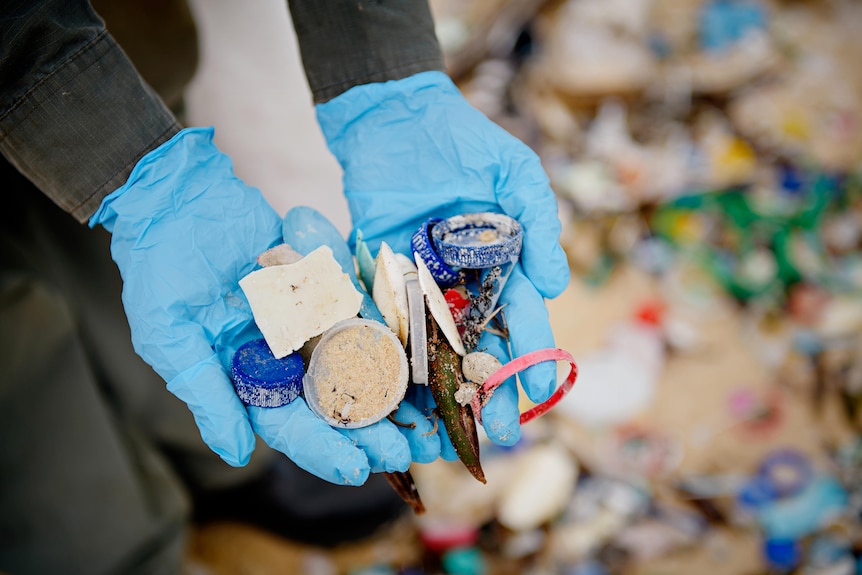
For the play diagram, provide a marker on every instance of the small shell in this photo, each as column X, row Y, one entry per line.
column 478, row 366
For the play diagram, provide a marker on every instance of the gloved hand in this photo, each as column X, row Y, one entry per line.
column 413, row 149
column 184, row 231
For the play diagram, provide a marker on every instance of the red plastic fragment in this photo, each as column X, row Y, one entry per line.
column 458, row 304
column 651, row 312
column 440, row 538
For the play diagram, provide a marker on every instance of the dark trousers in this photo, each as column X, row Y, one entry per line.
column 94, row 451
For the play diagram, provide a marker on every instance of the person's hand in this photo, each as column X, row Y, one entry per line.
column 413, row 149
column 185, row 230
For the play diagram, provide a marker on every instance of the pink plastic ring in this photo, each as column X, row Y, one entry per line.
column 518, row 365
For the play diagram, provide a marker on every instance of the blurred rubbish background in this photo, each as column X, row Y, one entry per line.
column 707, row 158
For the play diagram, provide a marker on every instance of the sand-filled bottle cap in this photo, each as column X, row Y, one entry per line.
column 262, row 380
column 477, row 240
column 357, row 375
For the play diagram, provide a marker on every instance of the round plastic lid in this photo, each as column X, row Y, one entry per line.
column 262, row 380
column 478, row 240
column 357, row 374
column 783, row 554
column 787, row 471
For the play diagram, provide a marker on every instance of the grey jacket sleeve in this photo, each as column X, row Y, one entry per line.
column 344, row 43
column 75, row 116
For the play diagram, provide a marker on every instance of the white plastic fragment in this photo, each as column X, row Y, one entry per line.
column 418, row 336
column 280, row 255
column 295, row 302
column 438, row 307
column 364, row 262
column 540, row 488
column 390, row 293
column 618, row 380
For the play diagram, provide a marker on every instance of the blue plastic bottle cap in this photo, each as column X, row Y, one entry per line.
column 464, row 561
column 478, row 240
column 806, row 512
column 262, row 380
column 782, row 554
column 423, row 248
column 756, row 494
column 787, row 471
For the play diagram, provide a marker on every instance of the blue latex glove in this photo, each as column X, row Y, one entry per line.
column 415, row 148
column 184, row 231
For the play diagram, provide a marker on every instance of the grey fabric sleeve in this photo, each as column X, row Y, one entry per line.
column 75, row 116
column 344, row 43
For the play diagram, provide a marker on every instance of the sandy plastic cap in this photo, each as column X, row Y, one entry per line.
column 357, row 374
column 262, row 380
column 478, row 240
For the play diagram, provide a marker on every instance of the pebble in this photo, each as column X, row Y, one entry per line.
column 478, row 366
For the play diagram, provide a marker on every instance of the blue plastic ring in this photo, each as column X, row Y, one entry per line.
column 478, row 240
column 262, row 380
column 786, row 484
column 422, row 248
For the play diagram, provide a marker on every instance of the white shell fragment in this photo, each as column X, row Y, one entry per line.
column 439, row 308
column 406, row 264
column 390, row 293
column 478, row 366
column 293, row 303
column 540, row 488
